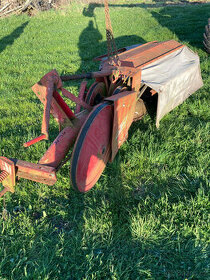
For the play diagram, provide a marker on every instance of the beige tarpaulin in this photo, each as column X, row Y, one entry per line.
column 175, row 77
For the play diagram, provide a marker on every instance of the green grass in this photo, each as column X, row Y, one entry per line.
column 148, row 215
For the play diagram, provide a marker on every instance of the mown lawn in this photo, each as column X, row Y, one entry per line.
column 147, row 217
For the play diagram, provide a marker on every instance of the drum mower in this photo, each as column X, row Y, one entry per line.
column 129, row 81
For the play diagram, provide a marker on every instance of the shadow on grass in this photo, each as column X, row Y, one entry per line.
column 89, row 11
column 91, row 45
column 183, row 22
column 9, row 39
column 71, row 245
column 180, row 19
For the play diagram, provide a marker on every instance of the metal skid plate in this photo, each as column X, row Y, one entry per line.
column 92, row 149
column 124, row 109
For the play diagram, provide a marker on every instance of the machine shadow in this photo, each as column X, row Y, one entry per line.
column 94, row 46
column 9, row 39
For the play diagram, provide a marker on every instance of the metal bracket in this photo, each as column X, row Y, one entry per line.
column 7, row 175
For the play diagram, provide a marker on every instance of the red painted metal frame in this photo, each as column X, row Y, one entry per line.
column 61, row 145
column 35, row 172
column 35, row 140
column 63, row 105
column 124, row 108
column 92, row 148
column 133, row 60
column 46, row 91
column 81, row 96
column 131, row 63
column 76, row 99
column 8, row 167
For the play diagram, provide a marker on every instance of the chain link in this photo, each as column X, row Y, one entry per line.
column 111, row 45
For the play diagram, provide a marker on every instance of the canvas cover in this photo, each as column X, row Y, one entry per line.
column 175, row 77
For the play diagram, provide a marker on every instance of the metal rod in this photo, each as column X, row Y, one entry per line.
column 142, row 91
column 35, row 140
column 76, row 77
column 90, row 75
column 76, row 99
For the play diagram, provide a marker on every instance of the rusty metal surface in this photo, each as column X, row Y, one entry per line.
column 7, row 174
column 3, row 175
column 35, row 172
column 107, row 124
column 149, row 52
column 56, row 110
column 92, row 148
column 35, row 140
column 5, row 190
column 133, row 60
column 136, row 81
column 81, row 96
column 44, row 90
column 61, row 145
column 124, row 108
column 76, row 99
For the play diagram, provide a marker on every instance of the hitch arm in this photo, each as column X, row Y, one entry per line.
column 12, row 168
column 7, row 175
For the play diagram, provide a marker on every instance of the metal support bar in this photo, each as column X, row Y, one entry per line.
column 90, row 75
column 35, row 140
column 35, row 172
column 142, row 91
column 61, row 145
column 76, row 99
column 81, row 96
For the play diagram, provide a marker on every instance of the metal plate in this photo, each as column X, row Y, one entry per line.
column 92, row 149
column 124, row 108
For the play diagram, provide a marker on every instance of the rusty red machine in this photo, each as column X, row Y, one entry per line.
column 102, row 117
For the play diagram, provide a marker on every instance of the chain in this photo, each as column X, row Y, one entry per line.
column 111, row 45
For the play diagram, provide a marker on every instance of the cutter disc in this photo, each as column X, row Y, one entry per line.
column 96, row 93
column 92, row 149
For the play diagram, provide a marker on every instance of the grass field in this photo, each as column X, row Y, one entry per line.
column 148, row 215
